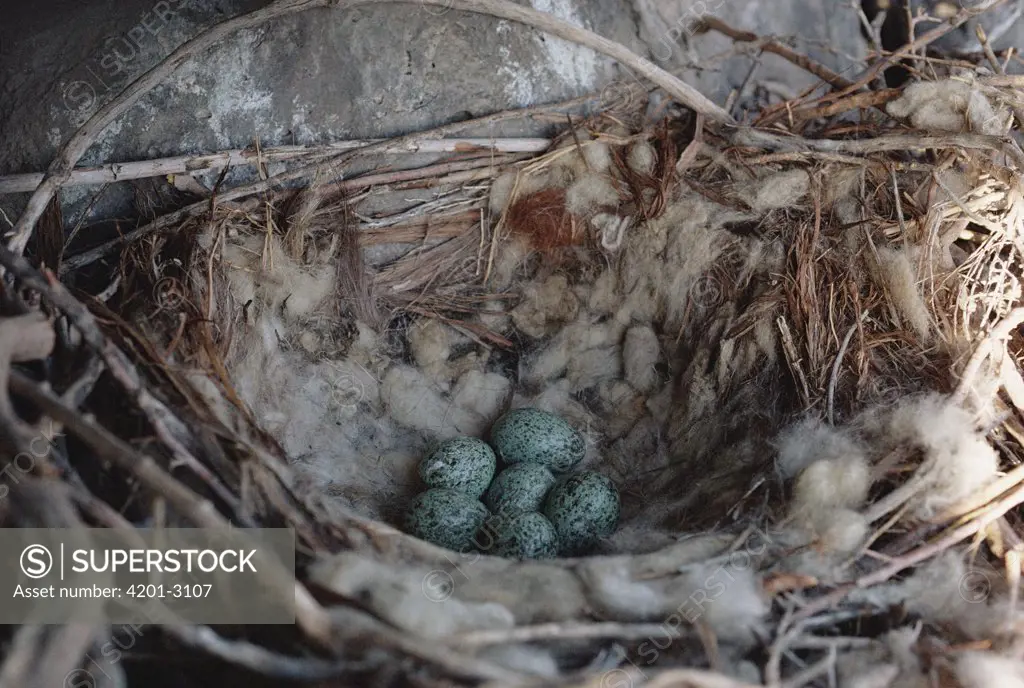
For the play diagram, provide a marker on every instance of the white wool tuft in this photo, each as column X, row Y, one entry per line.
column 976, row 669
column 501, row 192
column 585, row 351
column 431, row 346
column 641, row 352
column 598, row 156
column 494, row 316
column 730, row 599
column 611, row 584
column 397, row 595
column 621, row 408
column 780, row 190
column 898, row 276
column 949, row 105
column 857, row 674
column 281, row 284
column 642, row 157
column 810, row 440
column 484, row 395
column 558, row 398
column 841, row 530
column 545, row 306
column 552, row 361
column 745, row 671
column 891, row 663
column 841, row 483
column 637, row 538
column 589, row 367
column 306, row 289
column 415, row 402
column 962, row 460
column 510, row 259
column 591, row 193
column 943, row 591
column 603, row 297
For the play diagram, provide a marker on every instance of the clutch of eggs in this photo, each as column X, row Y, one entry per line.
column 535, row 508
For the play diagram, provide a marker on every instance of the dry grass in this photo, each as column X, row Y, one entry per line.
column 844, row 337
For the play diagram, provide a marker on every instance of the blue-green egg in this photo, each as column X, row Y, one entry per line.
column 583, row 508
column 530, row 435
column 522, row 535
column 466, row 464
column 448, row 518
column 520, row 487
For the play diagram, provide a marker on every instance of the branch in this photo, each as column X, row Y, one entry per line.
column 762, row 139
column 771, row 46
column 191, row 164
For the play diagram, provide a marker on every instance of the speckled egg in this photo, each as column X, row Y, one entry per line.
column 446, row 517
column 522, row 535
column 583, row 508
column 466, row 464
column 520, row 487
column 530, row 435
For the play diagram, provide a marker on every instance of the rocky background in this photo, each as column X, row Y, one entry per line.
column 329, row 74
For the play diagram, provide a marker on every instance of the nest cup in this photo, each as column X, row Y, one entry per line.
column 781, row 359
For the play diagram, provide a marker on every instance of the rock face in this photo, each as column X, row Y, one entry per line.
column 326, row 74
column 323, row 74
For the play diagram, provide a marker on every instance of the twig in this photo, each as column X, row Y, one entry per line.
column 192, row 164
column 237, row 652
column 693, row 148
column 311, row 617
column 951, row 538
column 869, row 75
column 560, row 631
column 793, row 359
column 196, row 209
column 813, row 672
column 263, row 661
column 985, row 349
column 904, row 142
column 39, row 657
column 652, row 678
column 985, row 495
column 864, row 99
column 834, row 377
column 45, row 656
column 979, row 31
column 785, row 52
column 902, row 494
column 73, row 150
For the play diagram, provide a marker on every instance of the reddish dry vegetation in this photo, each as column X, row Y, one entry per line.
column 543, row 220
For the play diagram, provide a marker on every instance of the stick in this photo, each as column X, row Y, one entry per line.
column 72, row 151
column 190, row 164
column 785, row 52
column 481, row 169
column 763, row 139
column 1000, row 332
column 874, row 70
column 564, row 631
column 238, row 652
column 310, row 616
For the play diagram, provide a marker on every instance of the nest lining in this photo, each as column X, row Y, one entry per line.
column 768, row 345
column 788, row 351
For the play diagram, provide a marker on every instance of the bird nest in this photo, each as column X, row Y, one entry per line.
column 793, row 345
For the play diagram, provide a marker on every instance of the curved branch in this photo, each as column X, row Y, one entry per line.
column 72, row 151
